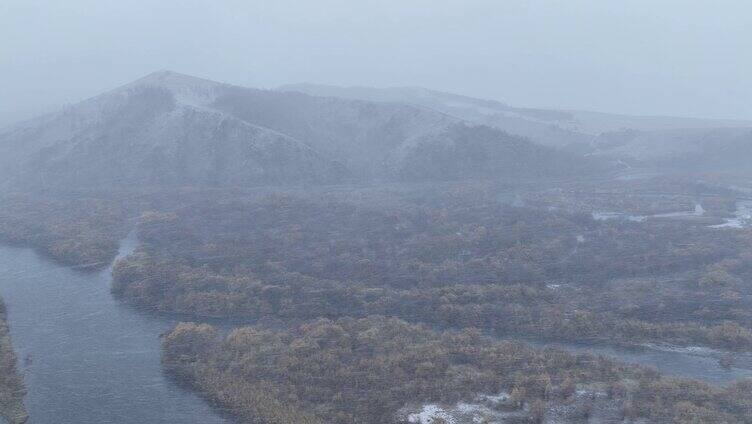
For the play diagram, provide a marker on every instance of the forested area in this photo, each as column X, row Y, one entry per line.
column 82, row 232
column 452, row 259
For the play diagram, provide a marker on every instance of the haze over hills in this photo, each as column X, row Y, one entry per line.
column 537, row 124
column 694, row 149
column 173, row 129
column 652, row 140
column 580, row 125
column 169, row 129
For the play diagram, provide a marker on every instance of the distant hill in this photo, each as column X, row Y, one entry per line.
column 546, row 126
column 695, row 149
column 176, row 130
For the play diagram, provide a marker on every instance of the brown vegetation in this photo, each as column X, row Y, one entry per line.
column 365, row 370
column 456, row 259
column 82, row 233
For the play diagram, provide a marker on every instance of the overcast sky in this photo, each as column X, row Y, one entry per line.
column 678, row 57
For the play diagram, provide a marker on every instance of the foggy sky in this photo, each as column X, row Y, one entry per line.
column 671, row 57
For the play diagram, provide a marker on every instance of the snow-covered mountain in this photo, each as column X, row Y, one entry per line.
column 158, row 130
column 173, row 129
column 397, row 140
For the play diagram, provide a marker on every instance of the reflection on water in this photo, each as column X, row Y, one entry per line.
column 605, row 216
column 87, row 358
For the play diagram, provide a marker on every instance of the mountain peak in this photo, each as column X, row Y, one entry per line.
column 186, row 88
column 173, row 81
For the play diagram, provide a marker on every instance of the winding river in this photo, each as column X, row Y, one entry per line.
column 89, row 359
column 86, row 358
column 698, row 363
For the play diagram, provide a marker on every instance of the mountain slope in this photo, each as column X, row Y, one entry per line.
column 394, row 140
column 536, row 124
column 362, row 135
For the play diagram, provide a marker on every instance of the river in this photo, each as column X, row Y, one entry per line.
column 694, row 362
column 87, row 358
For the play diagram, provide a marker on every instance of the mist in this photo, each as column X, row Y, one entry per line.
column 682, row 58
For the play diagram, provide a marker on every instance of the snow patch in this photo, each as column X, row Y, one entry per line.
column 479, row 411
column 742, row 216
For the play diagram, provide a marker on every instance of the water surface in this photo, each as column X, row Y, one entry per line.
column 693, row 362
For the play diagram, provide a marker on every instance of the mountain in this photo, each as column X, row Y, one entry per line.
column 545, row 126
column 173, row 129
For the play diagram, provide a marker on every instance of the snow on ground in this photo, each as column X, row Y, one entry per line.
column 742, row 216
column 493, row 409
column 428, row 415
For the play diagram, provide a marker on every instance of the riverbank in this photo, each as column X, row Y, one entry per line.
column 80, row 233
column 12, row 388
